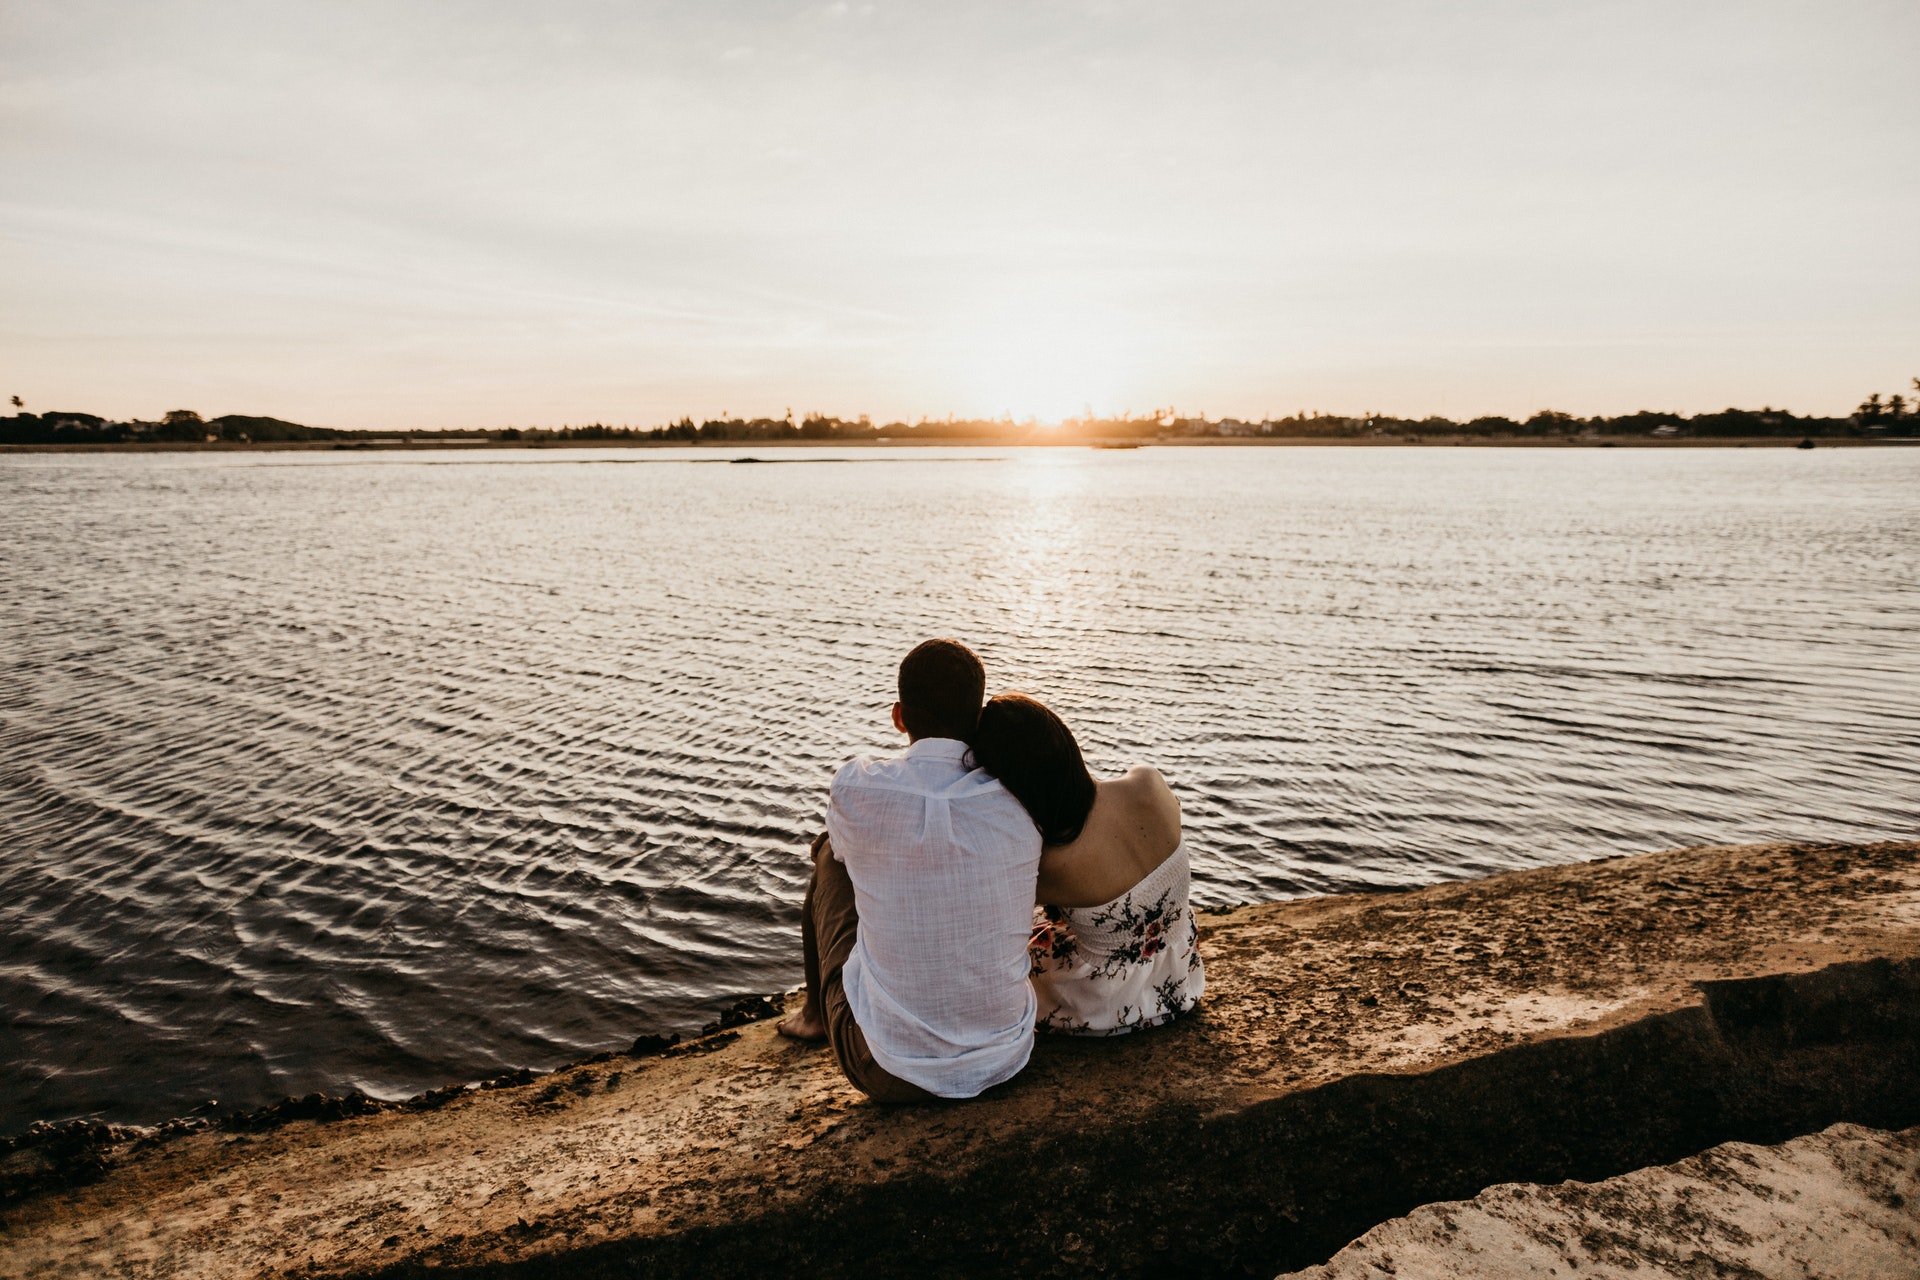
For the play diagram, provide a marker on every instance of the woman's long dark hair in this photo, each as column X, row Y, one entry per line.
column 1033, row 753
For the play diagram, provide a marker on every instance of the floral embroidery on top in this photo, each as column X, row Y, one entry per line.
column 1052, row 938
column 1126, row 966
column 1142, row 933
column 1060, row 1024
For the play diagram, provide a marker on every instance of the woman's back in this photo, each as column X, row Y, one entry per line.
column 1115, row 947
column 1132, row 828
column 1116, row 943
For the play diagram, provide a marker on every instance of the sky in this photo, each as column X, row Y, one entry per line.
column 477, row 214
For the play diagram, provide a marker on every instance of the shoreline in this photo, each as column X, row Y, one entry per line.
column 1114, row 444
column 1357, row 1056
column 77, row 1139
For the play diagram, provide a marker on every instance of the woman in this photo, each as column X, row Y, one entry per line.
column 1115, row 945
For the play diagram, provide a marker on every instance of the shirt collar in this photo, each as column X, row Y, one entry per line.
column 938, row 749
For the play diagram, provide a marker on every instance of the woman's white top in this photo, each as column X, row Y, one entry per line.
column 1131, row 964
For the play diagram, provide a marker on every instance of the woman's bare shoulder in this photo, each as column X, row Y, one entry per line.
column 1151, row 797
column 1145, row 784
column 1134, row 824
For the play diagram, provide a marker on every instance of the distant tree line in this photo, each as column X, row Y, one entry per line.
column 1544, row 424
column 1164, row 423
column 176, row 426
column 1896, row 412
column 1896, row 415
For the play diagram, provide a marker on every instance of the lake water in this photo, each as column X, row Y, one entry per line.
column 321, row 770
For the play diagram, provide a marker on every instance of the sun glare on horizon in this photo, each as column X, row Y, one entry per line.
column 1044, row 360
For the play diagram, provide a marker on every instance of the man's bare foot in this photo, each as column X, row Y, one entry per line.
column 804, row 1025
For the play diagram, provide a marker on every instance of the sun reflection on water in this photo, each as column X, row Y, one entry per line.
column 1036, row 544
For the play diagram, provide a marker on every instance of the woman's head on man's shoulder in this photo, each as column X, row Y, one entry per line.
column 1016, row 738
column 1020, row 741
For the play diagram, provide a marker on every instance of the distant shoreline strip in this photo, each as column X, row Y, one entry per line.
column 592, row 462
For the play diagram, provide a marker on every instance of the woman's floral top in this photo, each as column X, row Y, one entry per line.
column 1131, row 964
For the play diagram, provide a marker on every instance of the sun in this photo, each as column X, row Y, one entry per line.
column 1041, row 359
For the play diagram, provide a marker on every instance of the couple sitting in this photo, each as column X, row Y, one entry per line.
column 928, row 966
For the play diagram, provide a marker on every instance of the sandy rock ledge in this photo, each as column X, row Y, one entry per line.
column 1357, row 1057
column 1842, row 1203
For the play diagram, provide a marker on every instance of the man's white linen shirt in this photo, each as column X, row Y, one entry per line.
column 943, row 861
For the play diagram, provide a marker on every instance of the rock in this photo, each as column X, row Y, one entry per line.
column 1841, row 1203
column 314, row 1106
column 746, row 1009
column 647, row 1046
column 434, row 1099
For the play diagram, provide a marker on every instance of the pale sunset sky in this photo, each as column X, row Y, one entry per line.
column 475, row 214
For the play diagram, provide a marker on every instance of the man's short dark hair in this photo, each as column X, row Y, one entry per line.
column 941, row 685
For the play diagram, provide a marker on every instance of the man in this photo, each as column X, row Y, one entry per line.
column 916, row 919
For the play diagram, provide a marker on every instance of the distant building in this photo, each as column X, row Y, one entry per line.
column 1235, row 427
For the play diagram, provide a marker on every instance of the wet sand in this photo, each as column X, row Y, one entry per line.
column 1356, row 1057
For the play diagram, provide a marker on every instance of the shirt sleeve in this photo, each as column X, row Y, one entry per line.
column 836, row 811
